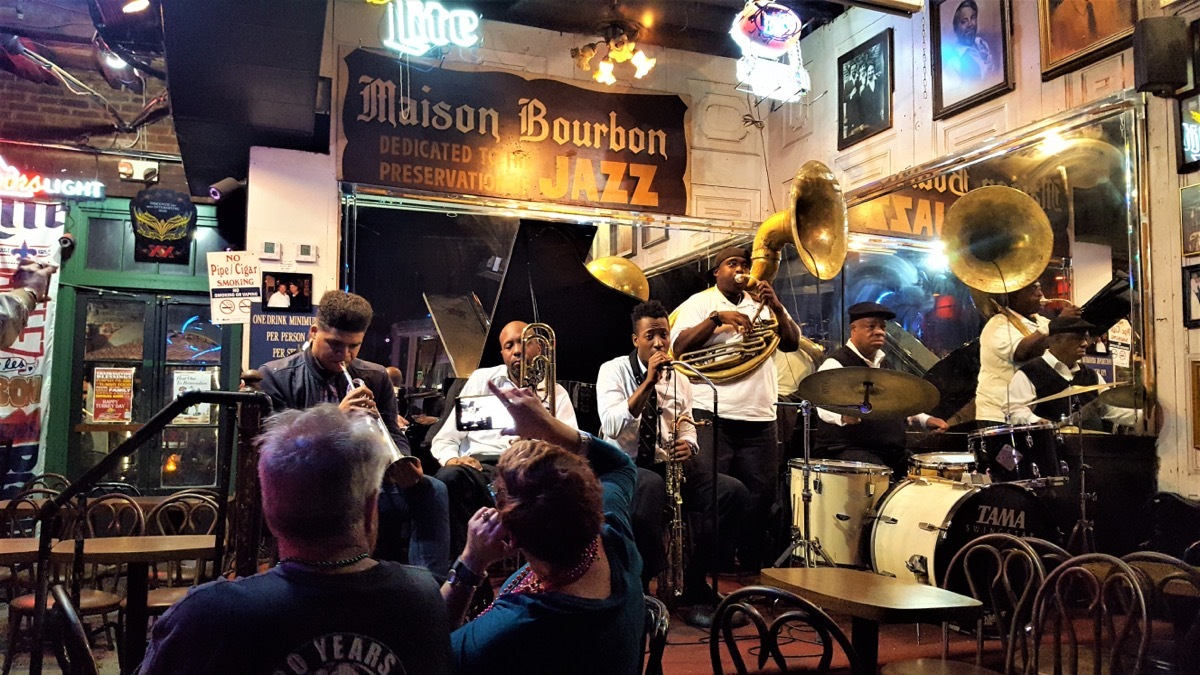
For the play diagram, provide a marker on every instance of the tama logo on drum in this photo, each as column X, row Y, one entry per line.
column 1001, row 517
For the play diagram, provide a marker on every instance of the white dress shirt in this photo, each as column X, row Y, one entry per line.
column 1021, row 392
column 751, row 398
column 836, row 417
column 997, row 354
column 616, row 382
column 487, row 444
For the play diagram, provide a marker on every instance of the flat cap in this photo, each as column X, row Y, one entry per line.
column 864, row 310
column 1070, row 325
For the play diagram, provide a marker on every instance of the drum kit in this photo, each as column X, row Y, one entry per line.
column 846, row 514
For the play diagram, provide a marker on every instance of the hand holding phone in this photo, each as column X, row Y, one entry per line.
column 480, row 413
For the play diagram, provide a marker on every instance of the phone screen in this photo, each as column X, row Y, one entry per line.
column 478, row 413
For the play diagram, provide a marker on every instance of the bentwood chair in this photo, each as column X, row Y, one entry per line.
column 112, row 515
column 1173, row 601
column 1003, row 572
column 74, row 652
column 46, row 481
column 771, row 612
column 658, row 621
column 1090, row 615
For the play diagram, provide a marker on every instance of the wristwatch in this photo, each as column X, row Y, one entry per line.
column 461, row 575
column 715, row 318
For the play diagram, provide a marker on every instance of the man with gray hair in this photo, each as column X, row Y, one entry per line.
column 328, row 606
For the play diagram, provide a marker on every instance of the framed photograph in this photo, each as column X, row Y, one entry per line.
column 972, row 54
column 287, row 292
column 1196, row 404
column 865, row 83
column 1191, row 296
column 622, row 241
column 1189, row 213
column 1075, row 33
column 653, row 236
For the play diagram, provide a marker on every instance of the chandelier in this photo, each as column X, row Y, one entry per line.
column 619, row 39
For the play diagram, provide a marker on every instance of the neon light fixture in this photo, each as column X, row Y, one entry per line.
column 18, row 185
column 771, row 66
column 414, row 27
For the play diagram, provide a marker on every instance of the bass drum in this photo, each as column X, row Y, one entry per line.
column 922, row 523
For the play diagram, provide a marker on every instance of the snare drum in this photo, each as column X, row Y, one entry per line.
column 843, row 495
column 1016, row 452
column 948, row 465
column 922, row 523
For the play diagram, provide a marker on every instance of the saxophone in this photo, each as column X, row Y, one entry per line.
column 672, row 580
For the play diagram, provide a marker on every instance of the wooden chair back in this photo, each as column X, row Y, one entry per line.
column 658, row 621
column 74, row 639
column 1173, row 600
column 771, row 611
column 1098, row 598
column 114, row 515
column 48, row 481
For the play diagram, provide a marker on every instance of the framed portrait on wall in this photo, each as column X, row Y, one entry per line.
column 972, row 54
column 865, row 83
column 1075, row 33
column 287, row 292
column 622, row 241
column 1189, row 214
column 1191, row 296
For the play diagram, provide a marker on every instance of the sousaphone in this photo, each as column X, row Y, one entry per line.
column 815, row 223
column 998, row 239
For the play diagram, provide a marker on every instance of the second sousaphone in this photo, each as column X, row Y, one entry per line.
column 998, row 239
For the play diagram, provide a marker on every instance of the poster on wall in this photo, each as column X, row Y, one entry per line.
column 112, row 395
column 497, row 134
column 276, row 334
column 164, row 222
column 234, row 283
column 27, row 230
column 184, row 381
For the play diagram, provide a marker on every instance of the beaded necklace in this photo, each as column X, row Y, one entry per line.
column 529, row 582
column 327, row 564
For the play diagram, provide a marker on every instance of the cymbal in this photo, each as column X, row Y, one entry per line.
column 1075, row 390
column 893, row 394
column 1125, row 395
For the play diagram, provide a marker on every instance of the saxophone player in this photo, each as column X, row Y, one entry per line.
column 643, row 405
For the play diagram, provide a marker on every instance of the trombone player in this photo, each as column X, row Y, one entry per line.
column 748, row 447
column 645, row 409
column 469, row 458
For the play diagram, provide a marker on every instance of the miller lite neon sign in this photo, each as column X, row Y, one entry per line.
column 18, row 185
column 414, row 27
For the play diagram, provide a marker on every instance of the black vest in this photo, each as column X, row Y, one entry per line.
column 883, row 437
column 1047, row 382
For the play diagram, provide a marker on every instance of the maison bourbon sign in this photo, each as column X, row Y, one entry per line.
column 499, row 135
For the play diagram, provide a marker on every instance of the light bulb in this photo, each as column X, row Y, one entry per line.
column 621, row 49
column 115, row 62
column 134, row 6
column 642, row 63
column 604, row 73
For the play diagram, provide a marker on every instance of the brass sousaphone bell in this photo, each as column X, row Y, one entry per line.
column 998, row 239
column 815, row 223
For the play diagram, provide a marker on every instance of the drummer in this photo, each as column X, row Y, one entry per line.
column 875, row 441
column 1057, row 369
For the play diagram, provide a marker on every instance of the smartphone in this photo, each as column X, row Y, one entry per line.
column 478, row 413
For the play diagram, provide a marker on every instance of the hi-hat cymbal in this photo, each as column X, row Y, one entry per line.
column 1125, row 395
column 1075, row 390
column 892, row 394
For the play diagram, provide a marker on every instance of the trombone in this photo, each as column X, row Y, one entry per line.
column 537, row 362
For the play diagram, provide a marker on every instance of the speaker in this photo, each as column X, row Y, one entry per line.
column 1161, row 51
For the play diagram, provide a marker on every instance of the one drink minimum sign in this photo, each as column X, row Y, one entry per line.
column 234, row 281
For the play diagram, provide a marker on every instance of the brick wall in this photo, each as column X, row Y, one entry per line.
column 51, row 114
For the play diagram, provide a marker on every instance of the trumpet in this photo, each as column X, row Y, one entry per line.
column 377, row 424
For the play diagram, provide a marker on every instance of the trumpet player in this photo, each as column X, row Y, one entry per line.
column 645, row 409
column 469, row 458
column 748, row 447
column 317, row 374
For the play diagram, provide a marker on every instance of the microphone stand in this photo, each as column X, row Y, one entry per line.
column 716, row 548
